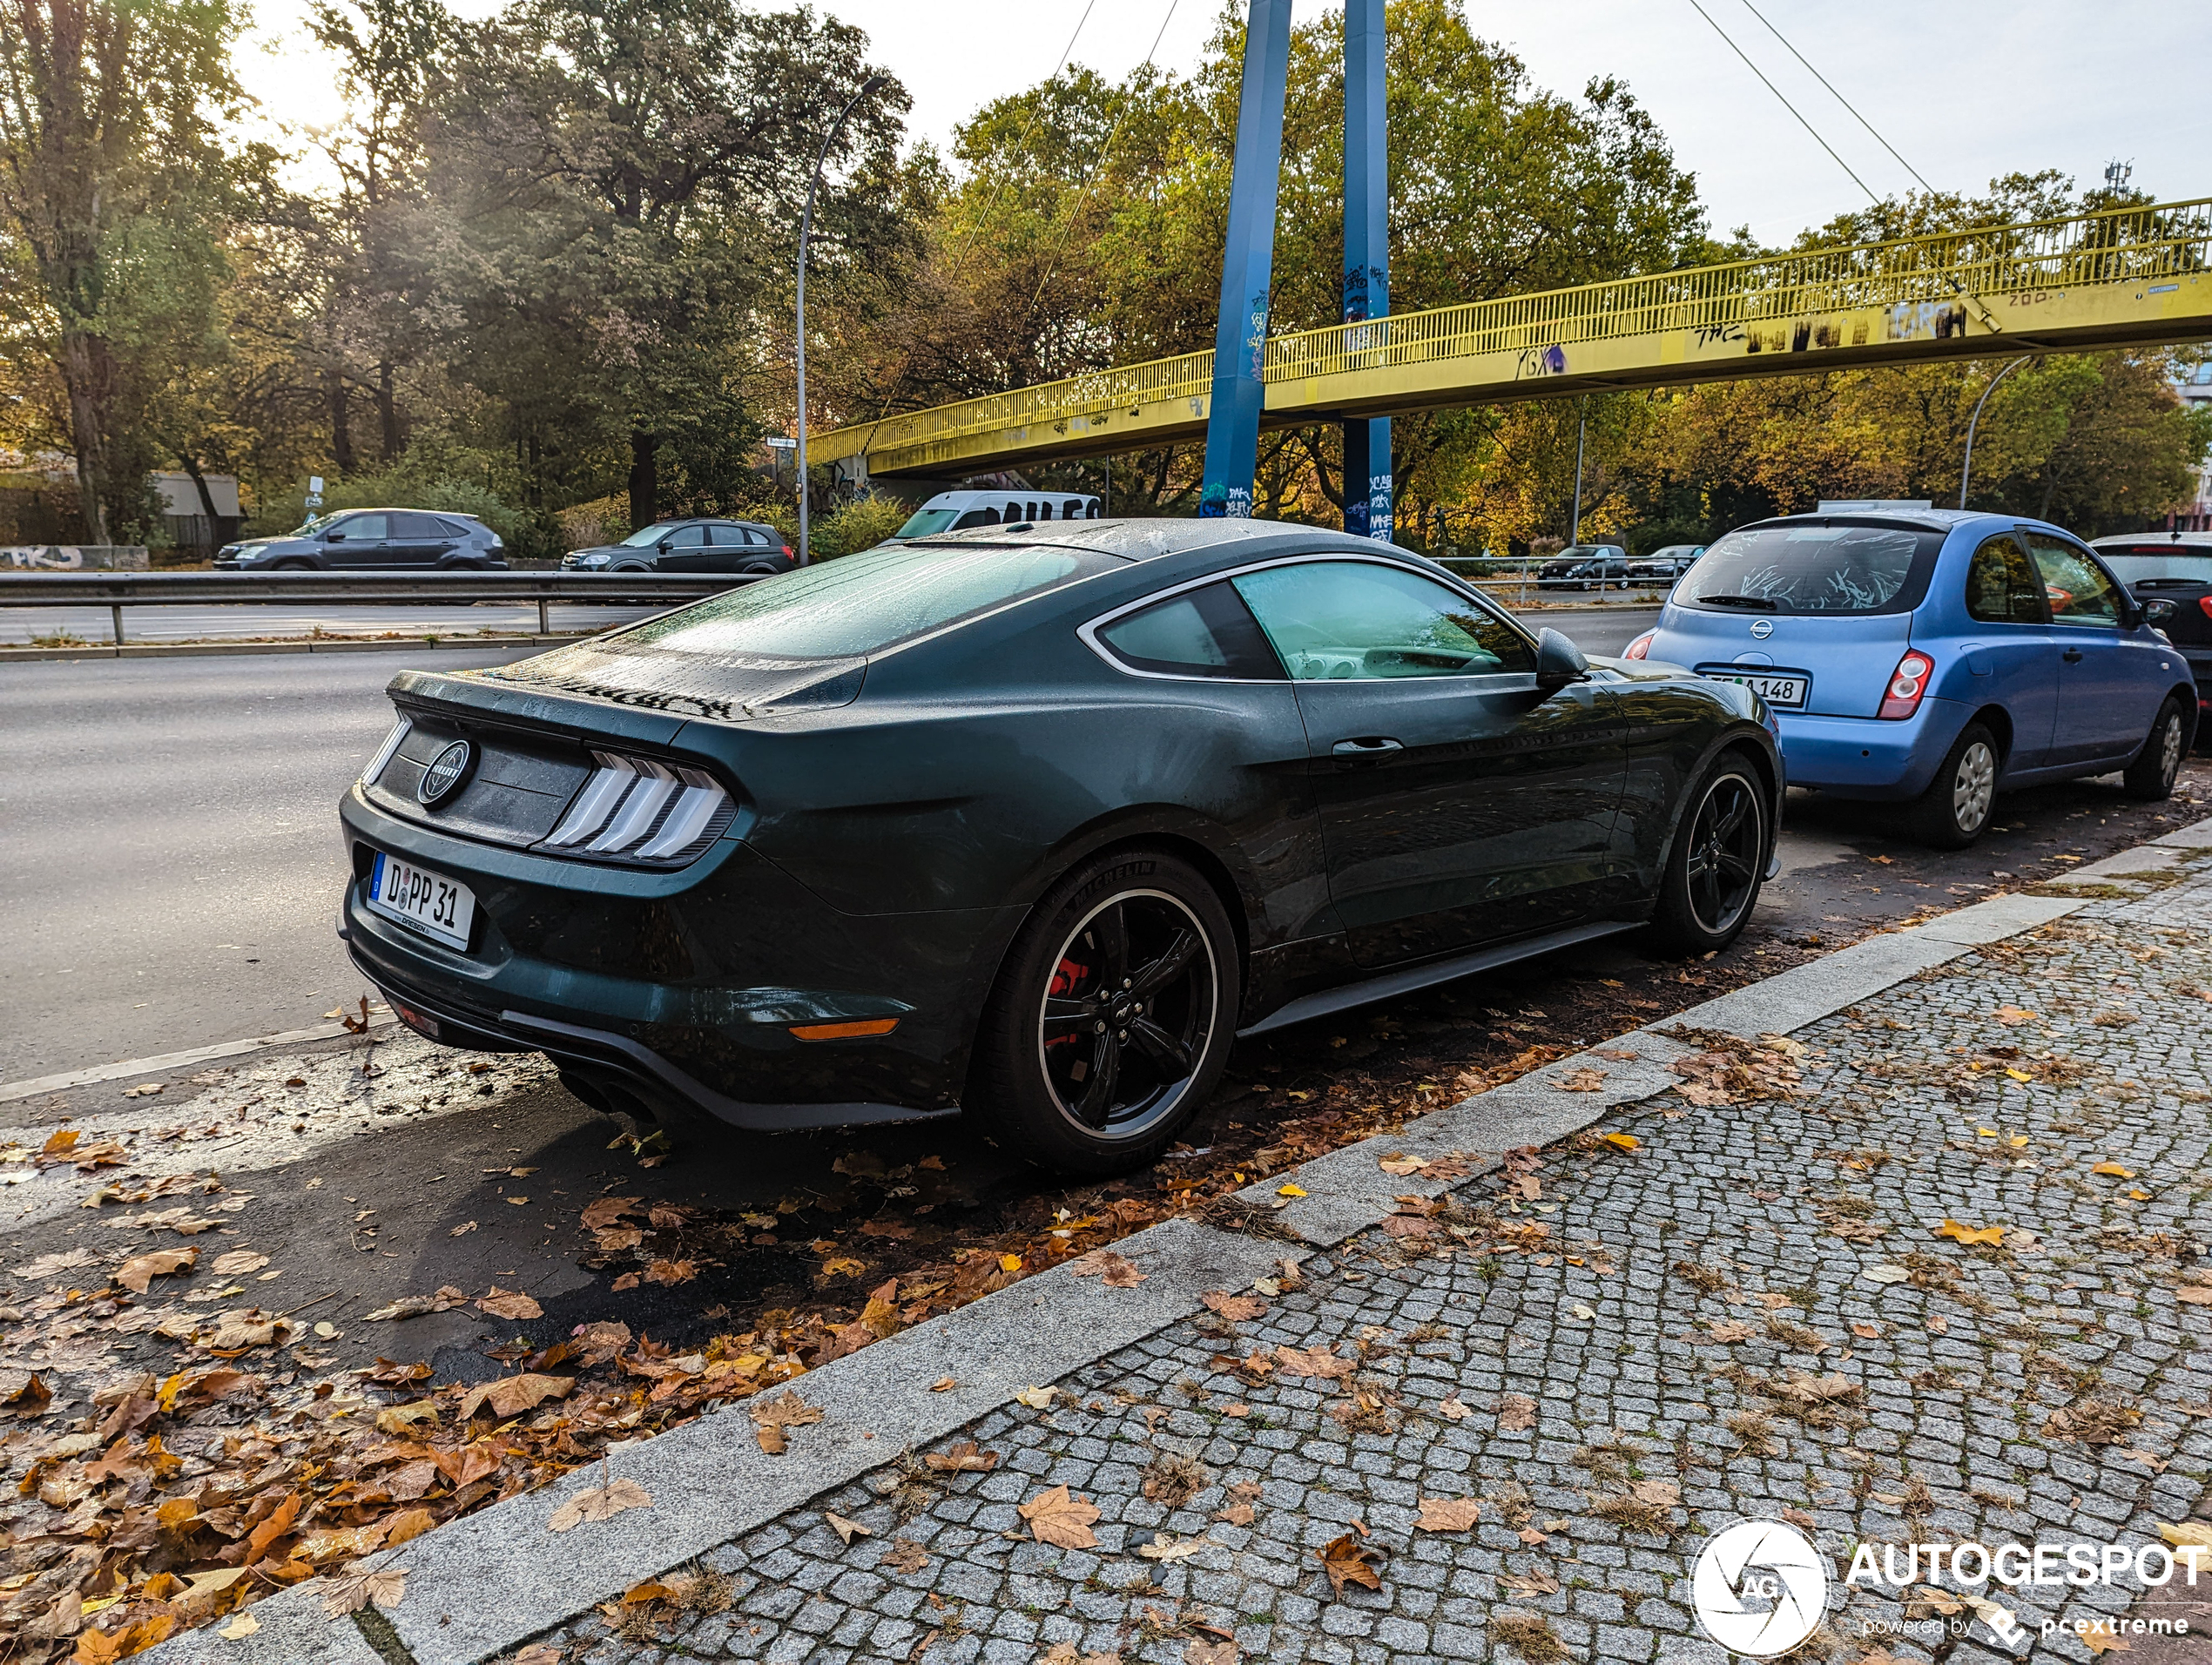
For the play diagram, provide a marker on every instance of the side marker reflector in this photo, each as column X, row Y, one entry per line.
column 844, row 1031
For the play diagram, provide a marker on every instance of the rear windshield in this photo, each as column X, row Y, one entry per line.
column 1814, row 569
column 861, row 603
column 2134, row 566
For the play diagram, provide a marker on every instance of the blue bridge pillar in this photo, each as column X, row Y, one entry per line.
column 1247, row 266
column 1366, row 254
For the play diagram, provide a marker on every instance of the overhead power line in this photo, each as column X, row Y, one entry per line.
column 990, row 209
column 1784, row 102
column 1098, row 169
column 1839, row 96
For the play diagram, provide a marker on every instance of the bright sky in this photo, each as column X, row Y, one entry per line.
column 1965, row 89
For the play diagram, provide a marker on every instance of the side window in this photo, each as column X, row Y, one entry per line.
column 362, row 529
column 976, row 517
column 2079, row 592
column 418, row 528
column 689, row 537
column 2002, row 587
column 1202, row 633
column 723, row 537
column 1332, row 620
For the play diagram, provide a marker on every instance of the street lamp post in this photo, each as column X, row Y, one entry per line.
column 1966, row 467
column 805, row 231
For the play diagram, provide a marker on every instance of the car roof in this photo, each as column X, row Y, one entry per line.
column 1916, row 520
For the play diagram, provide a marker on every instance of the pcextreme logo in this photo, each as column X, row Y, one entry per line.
column 1759, row 1587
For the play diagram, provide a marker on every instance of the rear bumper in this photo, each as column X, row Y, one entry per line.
column 610, row 1071
column 1865, row 756
column 684, row 986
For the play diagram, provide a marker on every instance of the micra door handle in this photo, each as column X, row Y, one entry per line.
column 2072, row 656
column 1368, row 745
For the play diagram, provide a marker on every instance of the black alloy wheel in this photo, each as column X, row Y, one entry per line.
column 1718, row 864
column 1128, row 1013
column 1113, row 1015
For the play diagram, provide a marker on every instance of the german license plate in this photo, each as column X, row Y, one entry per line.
column 424, row 901
column 1777, row 688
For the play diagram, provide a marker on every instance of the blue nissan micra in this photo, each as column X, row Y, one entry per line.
column 1935, row 658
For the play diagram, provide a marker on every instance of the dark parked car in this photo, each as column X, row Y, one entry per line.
column 1665, row 566
column 691, row 546
column 1031, row 822
column 2169, row 574
column 379, row 539
column 1586, row 566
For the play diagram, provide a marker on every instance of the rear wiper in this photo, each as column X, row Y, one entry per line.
column 1757, row 603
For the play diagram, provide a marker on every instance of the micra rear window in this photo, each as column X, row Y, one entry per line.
column 1814, row 568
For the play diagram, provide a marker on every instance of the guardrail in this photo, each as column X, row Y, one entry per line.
column 117, row 590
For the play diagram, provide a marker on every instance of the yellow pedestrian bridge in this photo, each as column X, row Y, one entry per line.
column 2124, row 277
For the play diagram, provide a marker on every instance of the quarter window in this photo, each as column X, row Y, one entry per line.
column 2002, row 587
column 1208, row 632
column 2079, row 592
column 1334, row 620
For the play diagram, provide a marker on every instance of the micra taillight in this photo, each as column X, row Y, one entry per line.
column 1907, row 683
column 2204, row 605
column 1641, row 648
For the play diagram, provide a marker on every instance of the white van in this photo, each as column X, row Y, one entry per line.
column 956, row 511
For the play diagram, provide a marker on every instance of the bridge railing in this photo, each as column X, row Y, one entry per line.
column 1945, row 273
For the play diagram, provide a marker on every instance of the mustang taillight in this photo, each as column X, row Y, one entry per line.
column 1641, row 648
column 1907, row 683
column 634, row 809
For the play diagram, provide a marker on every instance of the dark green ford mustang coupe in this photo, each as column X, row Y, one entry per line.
column 1031, row 822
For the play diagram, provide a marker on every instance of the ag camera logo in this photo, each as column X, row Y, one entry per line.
column 1759, row 1587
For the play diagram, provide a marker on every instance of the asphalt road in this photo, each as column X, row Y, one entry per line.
column 168, row 839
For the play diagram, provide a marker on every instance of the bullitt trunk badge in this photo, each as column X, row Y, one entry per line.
column 446, row 773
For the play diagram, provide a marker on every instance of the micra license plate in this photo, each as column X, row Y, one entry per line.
column 1786, row 689
column 428, row 902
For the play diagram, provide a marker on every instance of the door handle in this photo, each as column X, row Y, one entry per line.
column 2072, row 656
column 1369, row 745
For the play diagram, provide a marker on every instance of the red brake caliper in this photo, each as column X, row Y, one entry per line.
column 1066, row 978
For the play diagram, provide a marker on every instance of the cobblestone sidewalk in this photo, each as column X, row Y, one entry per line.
column 1752, row 1311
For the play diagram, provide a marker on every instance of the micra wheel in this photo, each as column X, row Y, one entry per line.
column 2151, row 776
column 1112, row 1017
column 1954, row 809
column 1718, row 864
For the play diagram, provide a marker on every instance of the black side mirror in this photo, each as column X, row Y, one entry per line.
column 334, row 537
column 1559, row 661
column 2160, row 611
